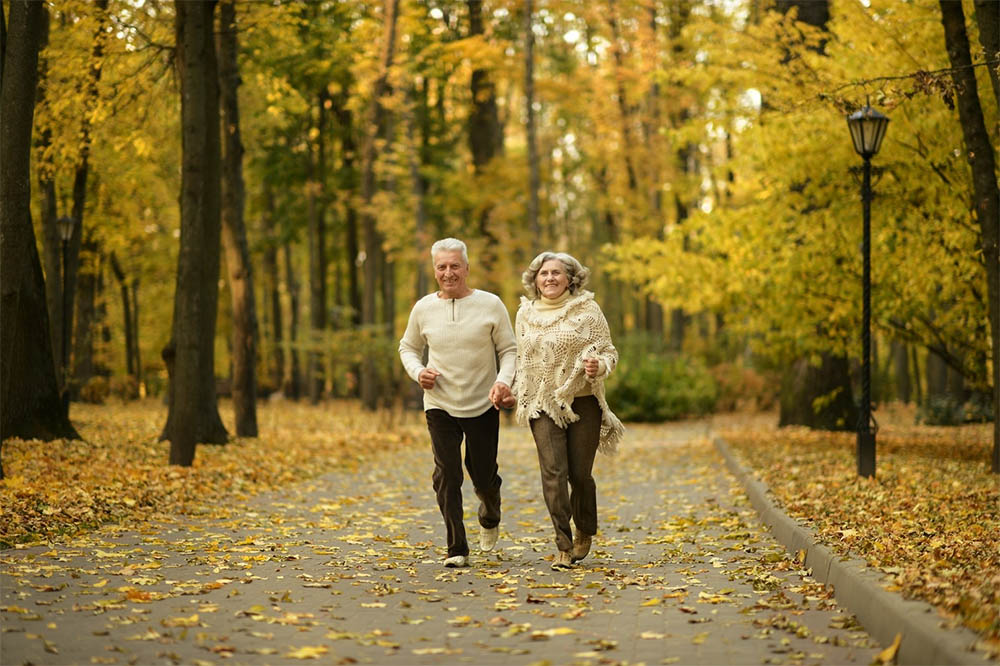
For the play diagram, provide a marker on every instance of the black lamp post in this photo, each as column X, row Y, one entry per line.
column 867, row 131
column 66, row 225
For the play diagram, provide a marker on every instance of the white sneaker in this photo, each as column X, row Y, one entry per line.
column 488, row 537
column 457, row 561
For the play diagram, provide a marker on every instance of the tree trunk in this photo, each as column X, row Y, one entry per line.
column 808, row 11
column 372, row 237
column 193, row 415
column 937, row 376
column 292, row 386
column 276, row 359
column 52, row 249
column 986, row 192
column 653, row 322
column 988, row 20
column 315, row 194
column 84, row 296
column 623, row 110
column 52, row 259
column 485, row 142
column 83, row 362
column 901, row 371
column 818, row 397
column 918, row 393
column 529, row 114
column 421, row 242
column 345, row 118
column 234, row 231
column 130, row 341
column 30, row 406
column 140, row 375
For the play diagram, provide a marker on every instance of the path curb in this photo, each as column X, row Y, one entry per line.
column 858, row 587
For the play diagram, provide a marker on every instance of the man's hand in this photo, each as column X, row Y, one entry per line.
column 501, row 396
column 427, row 377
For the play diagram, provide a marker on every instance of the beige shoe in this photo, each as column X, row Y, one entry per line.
column 488, row 537
column 457, row 561
column 562, row 561
column 581, row 546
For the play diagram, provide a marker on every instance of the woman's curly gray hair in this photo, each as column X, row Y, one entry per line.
column 575, row 271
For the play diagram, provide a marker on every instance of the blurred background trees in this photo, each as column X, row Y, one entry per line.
column 694, row 153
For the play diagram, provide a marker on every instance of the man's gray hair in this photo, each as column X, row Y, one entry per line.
column 576, row 272
column 450, row 245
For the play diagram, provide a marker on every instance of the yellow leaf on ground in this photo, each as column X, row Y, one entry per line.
column 308, row 652
column 180, row 621
column 888, row 655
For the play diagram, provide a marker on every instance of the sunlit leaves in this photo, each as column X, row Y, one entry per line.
column 774, row 246
column 929, row 517
column 119, row 471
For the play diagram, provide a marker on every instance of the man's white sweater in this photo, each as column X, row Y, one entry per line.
column 465, row 337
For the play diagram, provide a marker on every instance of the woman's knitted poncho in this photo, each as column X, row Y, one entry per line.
column 551, row 348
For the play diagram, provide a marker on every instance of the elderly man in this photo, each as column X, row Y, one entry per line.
column 466, row 332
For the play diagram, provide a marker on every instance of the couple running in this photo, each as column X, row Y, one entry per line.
column 553, row 372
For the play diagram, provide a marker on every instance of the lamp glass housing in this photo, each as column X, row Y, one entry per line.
column 867, row 130
column 66, row 225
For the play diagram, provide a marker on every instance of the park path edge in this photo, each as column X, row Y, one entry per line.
column 859, row 587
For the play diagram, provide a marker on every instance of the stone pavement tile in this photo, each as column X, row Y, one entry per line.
column 347, row 568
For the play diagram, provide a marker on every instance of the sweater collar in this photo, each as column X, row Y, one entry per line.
column 543, row 303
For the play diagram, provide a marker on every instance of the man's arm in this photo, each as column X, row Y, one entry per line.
column 411, row 347
column 505, row 344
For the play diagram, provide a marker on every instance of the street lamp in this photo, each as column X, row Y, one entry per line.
column 867, row 131
column 66, row 225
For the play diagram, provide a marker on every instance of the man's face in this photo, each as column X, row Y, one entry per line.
column 450, row 271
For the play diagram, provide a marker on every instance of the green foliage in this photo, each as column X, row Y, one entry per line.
column 653, row 385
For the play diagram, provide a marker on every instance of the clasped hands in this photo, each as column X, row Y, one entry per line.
column 500, row 394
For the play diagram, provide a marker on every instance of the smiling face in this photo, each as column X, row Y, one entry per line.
column 551, row 280
column 451, row 271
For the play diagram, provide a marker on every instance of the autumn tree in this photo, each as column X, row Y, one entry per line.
column 982, row 161
column 372, row 237
column 818, row 395
column 194, row 415
column 485, row 140
column 234, row 233
column 31, row 405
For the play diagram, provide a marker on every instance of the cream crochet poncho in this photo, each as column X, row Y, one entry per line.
column 551, row 347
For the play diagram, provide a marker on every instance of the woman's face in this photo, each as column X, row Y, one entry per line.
column 551, row 280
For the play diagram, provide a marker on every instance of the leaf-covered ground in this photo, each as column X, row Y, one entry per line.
column 345, row 567
column 119, row 471
column 930, row 517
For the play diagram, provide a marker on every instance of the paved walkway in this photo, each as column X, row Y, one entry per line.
column 346, row 568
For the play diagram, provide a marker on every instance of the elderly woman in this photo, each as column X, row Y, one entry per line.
column 564, row 353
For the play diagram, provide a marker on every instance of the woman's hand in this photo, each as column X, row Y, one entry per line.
column 591, row 366
column 501, row 396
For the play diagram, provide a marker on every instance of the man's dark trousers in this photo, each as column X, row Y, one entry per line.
column 481, row 434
